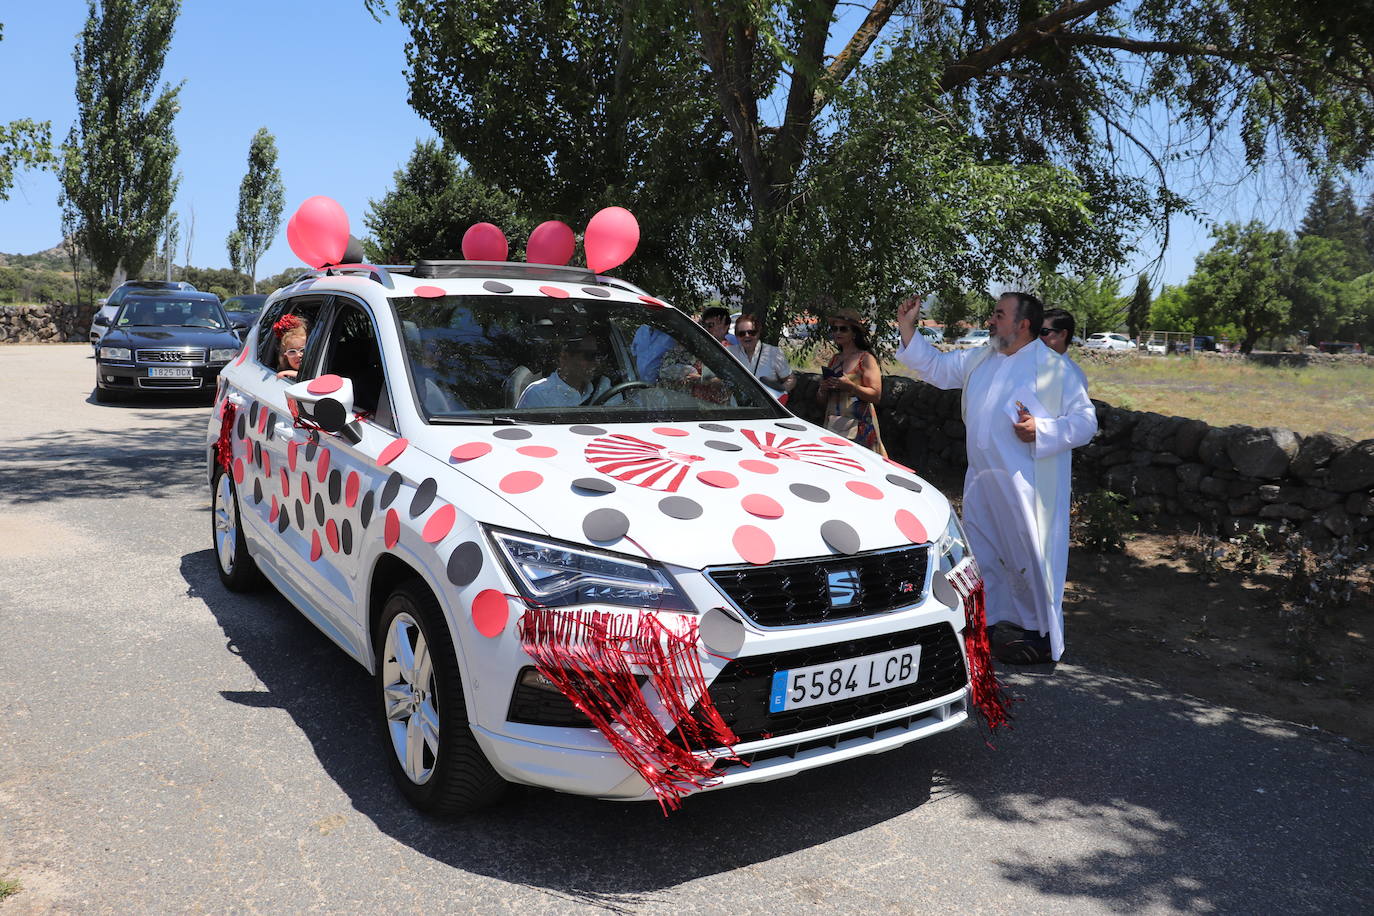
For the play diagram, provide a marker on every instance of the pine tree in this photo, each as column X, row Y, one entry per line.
column 1332, row 214
column 261, row 198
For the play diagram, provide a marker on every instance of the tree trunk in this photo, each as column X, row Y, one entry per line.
column 118, row 277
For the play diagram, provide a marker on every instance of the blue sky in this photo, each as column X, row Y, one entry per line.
column 330, row 87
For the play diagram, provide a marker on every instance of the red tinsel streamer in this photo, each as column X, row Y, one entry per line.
column 224, row 446
column 591, row 657
column 988, row 695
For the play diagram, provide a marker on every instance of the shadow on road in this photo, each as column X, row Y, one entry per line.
column 1192, row 807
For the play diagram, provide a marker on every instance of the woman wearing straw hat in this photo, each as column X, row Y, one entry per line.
column 852, row 384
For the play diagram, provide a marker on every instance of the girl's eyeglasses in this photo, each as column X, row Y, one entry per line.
column 295, row 351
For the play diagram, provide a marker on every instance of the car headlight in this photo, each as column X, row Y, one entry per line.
column 553, row 574
column 223, row 355
column 120, row 354
column 953, row 544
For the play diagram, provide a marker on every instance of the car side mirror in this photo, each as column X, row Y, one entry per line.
column 326, row 402
column 238, row 326
column 102, row 321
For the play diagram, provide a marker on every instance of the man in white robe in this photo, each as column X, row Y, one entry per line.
column 1024, row 411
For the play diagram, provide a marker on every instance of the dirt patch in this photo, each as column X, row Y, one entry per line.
column 1175, row 609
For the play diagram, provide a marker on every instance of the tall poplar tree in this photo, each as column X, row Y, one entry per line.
column 119, row 159
column 1138, row 313
column 261, row 198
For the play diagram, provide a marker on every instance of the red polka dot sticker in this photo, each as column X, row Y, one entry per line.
column 305, row 486
column 392, row 451
column 759, row 467
column 722, row 479
column 266, row 463
column 910, row 526
column 490, row 613
column 469, row 451
column 866, row 490
column 554, row 292
column 331, row 531
column 520, row 482
column 835, row 440
column 754, row 545
column 351, row 489
column 650, row 300
column 899, row 465
column 316, row 548
column 272, row 515
column 391, row 531
column 325, row 384
column 322, row 466
column 439, row 524
column 291, row 448
column 537, row 451
column 669, row 431
column 285, row 483
column 762, row 506
column 262, row 420
column 238, row 471
column 429, row 292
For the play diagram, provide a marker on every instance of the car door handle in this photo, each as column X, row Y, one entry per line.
column 233, row 397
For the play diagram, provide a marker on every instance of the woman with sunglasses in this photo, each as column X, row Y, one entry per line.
column 292, row 332
column 852, row 383
column 764, row 360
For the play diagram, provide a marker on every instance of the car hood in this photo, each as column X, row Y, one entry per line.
column 699, row 494
column 171, row 337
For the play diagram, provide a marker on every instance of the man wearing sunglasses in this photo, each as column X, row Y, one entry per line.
column 1025, row 410
column 1056, row 333
column 572, row 384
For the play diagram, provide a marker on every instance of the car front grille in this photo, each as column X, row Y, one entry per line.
column 191, row 357
column 169, row 382
column 821, row 590
column 741, row 691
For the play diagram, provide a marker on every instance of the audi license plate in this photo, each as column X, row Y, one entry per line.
column 169, row 372
column 850, row 677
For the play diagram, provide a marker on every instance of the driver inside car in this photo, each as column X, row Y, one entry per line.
column 575, row 382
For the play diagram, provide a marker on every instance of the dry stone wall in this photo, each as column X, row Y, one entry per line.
column 53, row 323
column 1226, row 479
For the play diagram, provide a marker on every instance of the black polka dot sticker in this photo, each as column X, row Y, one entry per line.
column 679, row 507
column 605, row 525
column 271, row 426
column 723, row 446
column 311, row 446
column 300, row 515
column 257, row 492
column 584, row 430
column 335, row 486
column 465, row 563
column 365, row 510
column 253, row 413
column 390, row 489
column 905, row 483
column 283, row 521
column 496, row 286
column 717, row 428
column 592, row 486
column 424, row 496
column 330, row 413
column 346, row 536
column 809, row 493
column 840, row 536
column 319, row 509
column 257, row 453
column 238, row 427
column 793, row 426
column 597, row 292
column 512, row 434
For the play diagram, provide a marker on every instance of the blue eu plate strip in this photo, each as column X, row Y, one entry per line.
column 777, row 697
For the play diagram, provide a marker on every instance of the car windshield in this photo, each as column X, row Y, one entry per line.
column 547, row 360
column 169, row 312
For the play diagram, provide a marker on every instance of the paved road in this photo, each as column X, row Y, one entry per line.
column 169, row 747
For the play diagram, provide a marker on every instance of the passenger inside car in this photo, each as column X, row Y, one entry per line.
column 574, row 382
column 292, row 334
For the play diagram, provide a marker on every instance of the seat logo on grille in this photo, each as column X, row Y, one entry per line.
column 844, row 587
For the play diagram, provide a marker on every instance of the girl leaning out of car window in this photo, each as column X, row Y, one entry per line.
column 291, row 333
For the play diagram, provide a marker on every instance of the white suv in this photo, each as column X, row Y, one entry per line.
column 548, row 512
column 1104, row 341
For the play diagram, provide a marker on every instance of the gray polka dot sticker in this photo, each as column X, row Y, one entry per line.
column 239, row 427
column 257, row 453
column 257, row 492
column 390, row 489
column 465, row 563
column 312, row 445
column 253, row 413
column 271, row 426
column 906, row 483
column 809, row 493
column 283, row 521
column 319, row 509
column 335, row 486
column 365, row 510
column 839, row 536
column 300, row 515
column 945, row 592
column 592, row 486
column 717, row 428
column 584, row 430
column 679, row 507
column 597, row 292
column 723, row 446
column 512, row 434
column 424, row 496
column 793, row 426
column 605, row 525
column 330, row 413
column 346, row 536
column 496, row 286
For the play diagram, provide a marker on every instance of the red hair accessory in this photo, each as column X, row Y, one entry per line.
column 287, row 323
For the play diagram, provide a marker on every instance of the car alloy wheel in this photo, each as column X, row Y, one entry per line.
column 237, row 570
column 412, row 711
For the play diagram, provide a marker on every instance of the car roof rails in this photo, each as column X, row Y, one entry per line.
column 511, row 270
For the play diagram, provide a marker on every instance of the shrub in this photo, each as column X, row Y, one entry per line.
column 1100, row 520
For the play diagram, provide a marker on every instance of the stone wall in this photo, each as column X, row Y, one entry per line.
column 53, row 323
column 1227, row 479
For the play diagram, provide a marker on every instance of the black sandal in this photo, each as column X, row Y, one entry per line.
column 1025, row 651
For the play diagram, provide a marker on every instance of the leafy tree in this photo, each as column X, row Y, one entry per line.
column 735, row 128
column 285, row 278
column 1095, row 301
column 955, row 307
column 117, row 163
column 1138, row 312
column 261, row 198
column 1331, row 214
column 433, row 203
column 1173, row 311
column 24, row 144
column 221, row 281
column 1241, row 279
column 1313, row 283
column 1361, row 296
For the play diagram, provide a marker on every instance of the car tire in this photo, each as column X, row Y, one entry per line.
column 107, row 396
column 434, row 756
column 237, row 569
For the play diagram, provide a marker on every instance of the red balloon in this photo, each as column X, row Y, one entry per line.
column 611, row 237
column 298, row 246
column 551, row 242
column 323, row 229
column 484, row 242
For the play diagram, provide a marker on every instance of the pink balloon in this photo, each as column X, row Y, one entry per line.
column 298, row 246
column 611, row 237
column 551, row 242
column 484, row 242
column 323, row 229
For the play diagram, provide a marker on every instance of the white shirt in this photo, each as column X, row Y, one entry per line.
column 554, row 392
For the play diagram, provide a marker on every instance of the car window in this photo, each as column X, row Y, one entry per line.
column 167, row 311
column 308, row 308
column 548, row 360
column 350, row 350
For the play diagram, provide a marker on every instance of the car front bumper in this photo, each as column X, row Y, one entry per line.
column 137, row 377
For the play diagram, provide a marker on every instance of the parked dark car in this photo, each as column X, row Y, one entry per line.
column 110, row 307
column 244, row 308
column 165, row 341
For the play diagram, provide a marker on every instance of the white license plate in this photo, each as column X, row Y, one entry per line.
column 850, row 677
column 169, row 372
